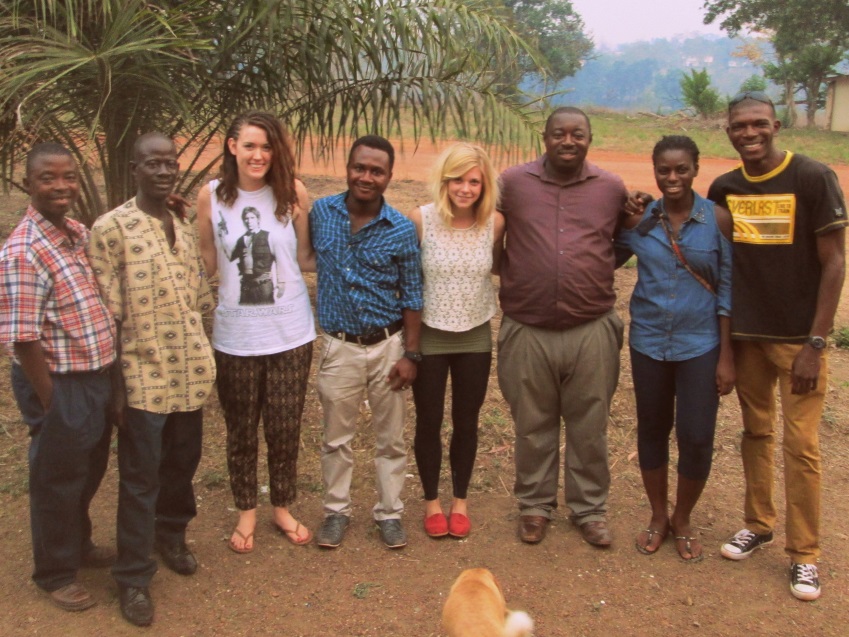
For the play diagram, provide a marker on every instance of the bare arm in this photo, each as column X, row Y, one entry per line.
column 725, row 374
column 118, row 406
column 403, row 373
column 306, row 253
column 725, row 222
column 415, row 215
column 497, row 241
column 206, row 232
column 34, row 364
column 831, row 254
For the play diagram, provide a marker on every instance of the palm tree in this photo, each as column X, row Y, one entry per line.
column 95, row 74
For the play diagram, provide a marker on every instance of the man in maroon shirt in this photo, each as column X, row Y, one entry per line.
column 558, row 348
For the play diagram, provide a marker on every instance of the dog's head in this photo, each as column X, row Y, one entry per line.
column 480, row 576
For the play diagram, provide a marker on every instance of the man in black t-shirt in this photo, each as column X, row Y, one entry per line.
column 789, row 227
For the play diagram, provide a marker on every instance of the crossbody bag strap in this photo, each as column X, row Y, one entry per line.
column 678, row 253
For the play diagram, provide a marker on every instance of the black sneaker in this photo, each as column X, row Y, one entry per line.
column 332, row 531
column 744, row 543
column 392, row 533
column 804, row 582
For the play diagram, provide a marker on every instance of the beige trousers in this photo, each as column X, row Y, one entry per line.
column 549, row 375
column 346, row 373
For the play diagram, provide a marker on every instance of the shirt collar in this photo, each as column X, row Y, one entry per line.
column 588, row 171
column 382, row 215
column 54, row 234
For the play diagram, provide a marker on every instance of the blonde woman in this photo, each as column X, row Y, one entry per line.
column 461, row 235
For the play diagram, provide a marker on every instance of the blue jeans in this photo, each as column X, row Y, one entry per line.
column 158, row 455
column 68, row 454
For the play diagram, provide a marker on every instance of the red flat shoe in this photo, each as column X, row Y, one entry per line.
column 459, row 525
column 436, row 525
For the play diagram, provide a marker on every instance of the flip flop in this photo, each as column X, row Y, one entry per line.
column 292, row 535
column 688, row 547
column 246, row 538
column 644, row 548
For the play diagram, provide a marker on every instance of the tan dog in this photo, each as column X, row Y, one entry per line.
column 476, row 608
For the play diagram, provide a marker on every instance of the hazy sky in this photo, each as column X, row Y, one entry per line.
column 613, row 22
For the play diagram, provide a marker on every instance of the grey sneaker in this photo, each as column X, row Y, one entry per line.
column 804, row 582
column 392, row 533
column 332, row 531
column 743, row 544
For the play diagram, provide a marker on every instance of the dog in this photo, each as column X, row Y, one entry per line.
column 476, row 608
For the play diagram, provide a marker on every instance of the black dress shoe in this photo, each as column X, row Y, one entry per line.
column 136, row 605
column 177, row 557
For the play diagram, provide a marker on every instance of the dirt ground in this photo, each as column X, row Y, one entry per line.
column 362, row 588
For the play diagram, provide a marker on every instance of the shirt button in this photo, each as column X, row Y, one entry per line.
column 561, row 252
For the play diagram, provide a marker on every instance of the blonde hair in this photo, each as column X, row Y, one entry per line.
column 455, row 161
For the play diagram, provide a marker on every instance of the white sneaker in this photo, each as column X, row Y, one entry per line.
column 744, row 543
column 804, row 582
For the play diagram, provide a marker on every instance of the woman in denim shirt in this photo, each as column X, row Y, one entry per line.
column 680, row 338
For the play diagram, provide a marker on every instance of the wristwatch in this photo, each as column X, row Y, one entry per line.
column 416, row 357
column 817, row 342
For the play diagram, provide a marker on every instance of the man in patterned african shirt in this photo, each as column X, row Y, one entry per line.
column 147, row 264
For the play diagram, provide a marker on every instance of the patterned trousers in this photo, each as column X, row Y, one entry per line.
column 272, row 387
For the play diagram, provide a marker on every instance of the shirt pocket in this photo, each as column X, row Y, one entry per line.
column 377, row 265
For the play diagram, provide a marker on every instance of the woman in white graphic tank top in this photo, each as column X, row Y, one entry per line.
column 253, row 228
column 461, row 235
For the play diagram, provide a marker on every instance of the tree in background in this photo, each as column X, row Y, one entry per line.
column 697, row 93
column 754, row 83
column 556, row 31
column 95, row 74
column 809, row 36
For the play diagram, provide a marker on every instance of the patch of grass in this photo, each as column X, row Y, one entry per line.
column 15, row 487
column 215, row 479
column 361, row 590
column 630, row 263
column 841, row 337
column 636, row 133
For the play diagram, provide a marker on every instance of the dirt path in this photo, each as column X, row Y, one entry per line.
column 362, row 589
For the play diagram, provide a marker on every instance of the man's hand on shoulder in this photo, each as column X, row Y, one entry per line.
column 637, row 202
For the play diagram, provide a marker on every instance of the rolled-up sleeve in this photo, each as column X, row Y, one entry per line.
column 410, row 272
column 22, row 301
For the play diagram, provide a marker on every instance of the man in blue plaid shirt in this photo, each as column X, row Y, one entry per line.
column 369, row 306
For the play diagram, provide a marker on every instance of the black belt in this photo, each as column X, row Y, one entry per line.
column 369, row 339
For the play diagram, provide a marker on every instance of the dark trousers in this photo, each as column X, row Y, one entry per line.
column 469, row 379
column 158, row 455
column 679, row 392
column 68, row 454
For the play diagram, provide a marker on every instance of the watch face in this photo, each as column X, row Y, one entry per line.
column 817, row 342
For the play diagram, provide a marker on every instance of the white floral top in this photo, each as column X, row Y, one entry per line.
column 458, row 289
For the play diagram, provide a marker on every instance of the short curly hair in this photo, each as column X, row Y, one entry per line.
column 675, row 142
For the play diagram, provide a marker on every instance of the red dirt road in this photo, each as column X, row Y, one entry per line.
column 635, row 169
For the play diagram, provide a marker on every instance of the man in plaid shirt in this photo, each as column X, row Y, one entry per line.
column 61, row 336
